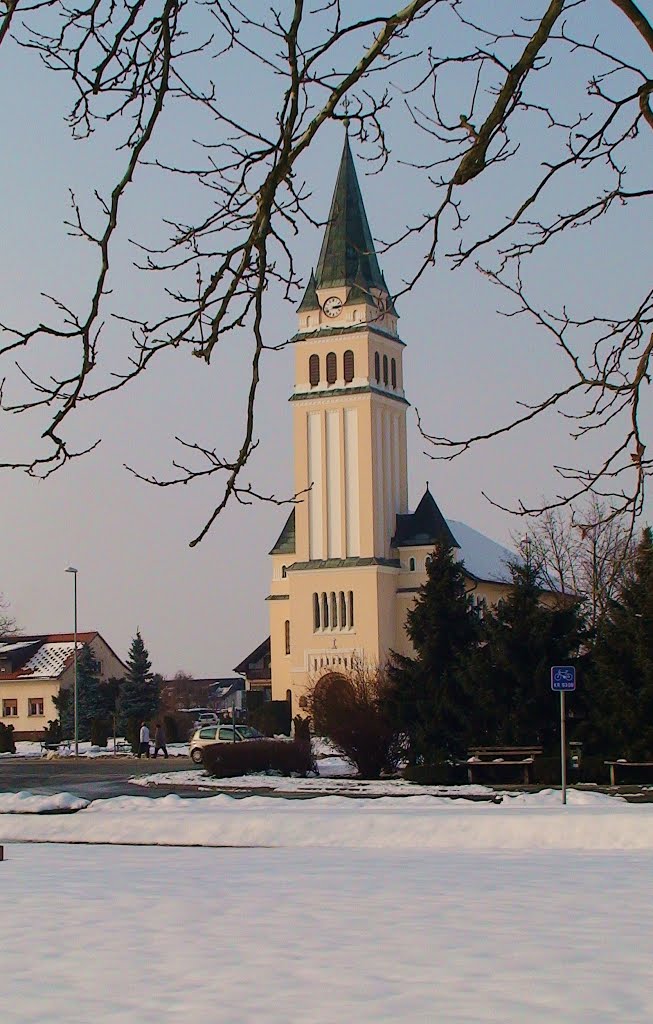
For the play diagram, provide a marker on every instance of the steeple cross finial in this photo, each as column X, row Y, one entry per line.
column 346, row 103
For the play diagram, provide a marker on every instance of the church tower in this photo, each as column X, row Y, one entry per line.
column 335, row 573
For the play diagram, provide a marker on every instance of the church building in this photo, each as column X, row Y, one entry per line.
column 351, row 556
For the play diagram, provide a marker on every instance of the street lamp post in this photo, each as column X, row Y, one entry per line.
column 76, row 727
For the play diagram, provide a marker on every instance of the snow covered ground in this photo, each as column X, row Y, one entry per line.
column 537, row 821
column 318, row 936
column 29, row 748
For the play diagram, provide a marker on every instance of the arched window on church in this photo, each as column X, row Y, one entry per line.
column 316, row 611
column 385, row 370
column 351, row 609
column 314, row 370
column 377, row 367
column 393, row 372
column 348, row 366
column 284, row 571
column 343, row 610
column 286, row 628
column 334, row 611
column 325, row 611
column 308, row 321
column 331, row 368
column 411, row 564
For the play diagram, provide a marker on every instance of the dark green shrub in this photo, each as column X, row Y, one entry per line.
column 272, row 718
column 302, row 730
column 7, row 742
column 226, row 760
column 100, row 730
column 442, row 774
column 52, row 732
column 175, row 728
column 254, row 699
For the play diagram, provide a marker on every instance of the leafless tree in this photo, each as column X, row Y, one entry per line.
column 585, row 551
column 7, row 621
column 570, row 162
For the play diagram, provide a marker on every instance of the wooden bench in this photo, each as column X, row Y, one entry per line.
column 56, row 745
column 122, row 747
column 625, row 764
column 501, row 757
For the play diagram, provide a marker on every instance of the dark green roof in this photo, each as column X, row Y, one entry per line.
column 426, row 525
column 347, row 256
column 361, row 389
column 358, row 328
column 343, row 563
column 285, row 544
column 310, row 300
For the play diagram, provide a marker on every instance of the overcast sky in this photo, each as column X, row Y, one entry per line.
column 203, row 609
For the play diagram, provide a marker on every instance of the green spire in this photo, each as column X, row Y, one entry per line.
column 347, row 256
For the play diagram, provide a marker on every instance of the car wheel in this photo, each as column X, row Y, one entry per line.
column 196, row 755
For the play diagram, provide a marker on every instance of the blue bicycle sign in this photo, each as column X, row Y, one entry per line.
column 563, row 677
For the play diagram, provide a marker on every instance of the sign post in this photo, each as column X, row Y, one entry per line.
column 563, row 679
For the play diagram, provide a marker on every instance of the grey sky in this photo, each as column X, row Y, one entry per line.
column 202, row 610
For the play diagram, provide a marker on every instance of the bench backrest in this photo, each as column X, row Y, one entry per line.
column 505, row 752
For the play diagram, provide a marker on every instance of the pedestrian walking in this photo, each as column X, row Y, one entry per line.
column 144, row 741
column 160, row 740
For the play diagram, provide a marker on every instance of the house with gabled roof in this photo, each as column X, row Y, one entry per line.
column 35, row 668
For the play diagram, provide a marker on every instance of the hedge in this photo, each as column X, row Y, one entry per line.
column 226, row 760
column 271, row 718
column 7, row 744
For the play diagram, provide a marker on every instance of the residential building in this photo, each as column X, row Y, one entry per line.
column 35, row 668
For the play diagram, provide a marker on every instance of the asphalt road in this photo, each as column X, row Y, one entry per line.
column 91, row 778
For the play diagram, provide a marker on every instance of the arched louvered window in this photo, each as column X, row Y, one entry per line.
column 325, row 611
column 393, row 372
column 332, row 368
column 314, row 370
column 377, row 367
column 334, row 611
column 316, row 611
column 348, row 363
column 351, row 609
column 411, row 565
column 343, row 610
column 385, row 370
column 287, row 635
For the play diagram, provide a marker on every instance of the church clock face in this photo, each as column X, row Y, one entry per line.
column 332, row 306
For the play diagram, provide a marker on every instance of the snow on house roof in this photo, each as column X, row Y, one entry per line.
column 484, row 558
column 53, row 656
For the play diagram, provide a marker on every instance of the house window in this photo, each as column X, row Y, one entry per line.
column 351, row 609
column 348, row 361
column 393, row 372
column 331, row 368
column 316, row 611
column 287, row 635
column 343, row 610
column 411, row 564
column 35, row 707
column 377, row 367
column 385, row 370
column 10, row 708
column 314, row 370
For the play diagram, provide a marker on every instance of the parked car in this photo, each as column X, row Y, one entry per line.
column 209, row 734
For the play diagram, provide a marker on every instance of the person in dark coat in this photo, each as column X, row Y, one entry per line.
column 160, row 740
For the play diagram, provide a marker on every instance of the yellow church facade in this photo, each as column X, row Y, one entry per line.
column 351, row 556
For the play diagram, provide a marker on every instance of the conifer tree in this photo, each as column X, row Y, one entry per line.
column 510, row 673
column 429, row 702
column 620, row 704
column 94, row 702
column 139, row 695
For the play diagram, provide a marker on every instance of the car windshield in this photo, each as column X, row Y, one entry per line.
column 248, row 733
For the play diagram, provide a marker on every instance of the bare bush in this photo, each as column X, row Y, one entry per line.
column 351, row 710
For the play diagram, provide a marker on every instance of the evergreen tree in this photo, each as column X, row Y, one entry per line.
column 510, row 673
column 428, row 700
column 620, row 701
column 139, row 695
column 94, row 702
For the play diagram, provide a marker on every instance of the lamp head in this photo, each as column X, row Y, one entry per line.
column 71, row 569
